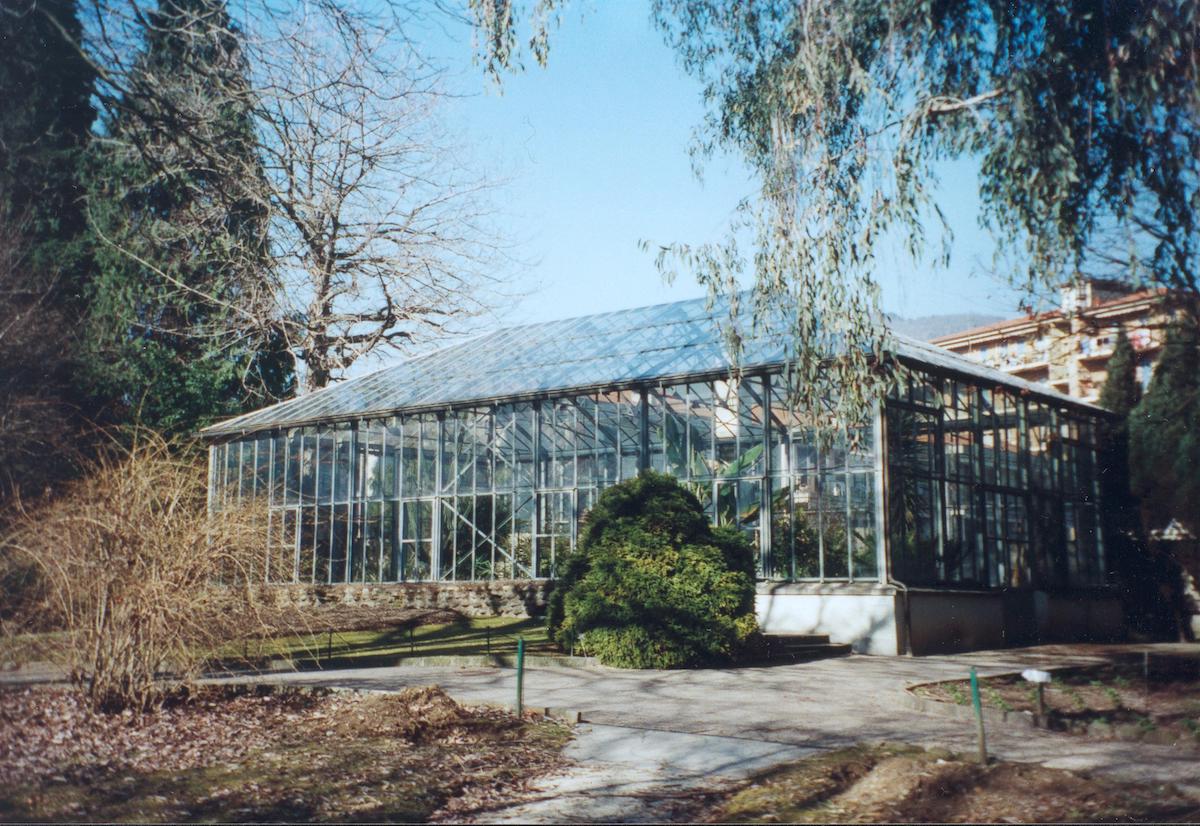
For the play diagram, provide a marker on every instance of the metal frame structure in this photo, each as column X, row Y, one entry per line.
column 442, row 483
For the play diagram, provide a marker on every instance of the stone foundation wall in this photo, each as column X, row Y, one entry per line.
column 503, row 598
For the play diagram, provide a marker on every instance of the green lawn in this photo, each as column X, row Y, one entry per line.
column 480, row 636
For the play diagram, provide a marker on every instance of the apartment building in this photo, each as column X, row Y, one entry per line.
column 1068, row 348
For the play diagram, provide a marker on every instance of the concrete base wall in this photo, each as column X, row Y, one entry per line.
column 876, row 619
column 863, row 616
column 504, row 598
column 944, row 622
column 952, row 621
column 1079, row 617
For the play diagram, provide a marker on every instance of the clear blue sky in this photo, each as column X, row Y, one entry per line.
column 594, row 152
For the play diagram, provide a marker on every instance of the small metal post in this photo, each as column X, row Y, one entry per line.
column 329, row 647
column 1039, row 678
column 520, row 675
column 983, row 758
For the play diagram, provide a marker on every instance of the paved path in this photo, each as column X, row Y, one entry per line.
column 622, row 774
column 683, row 729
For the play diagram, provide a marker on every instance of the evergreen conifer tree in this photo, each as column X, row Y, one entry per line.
column 1164, row 433
column 45, row 125
column 181, row 237
column 1121, row 392
column 1130, row 565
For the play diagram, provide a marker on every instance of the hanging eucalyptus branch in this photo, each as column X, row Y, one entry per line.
column 1084, row 119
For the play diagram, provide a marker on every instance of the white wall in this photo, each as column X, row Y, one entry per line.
column 866, row 621
column 872, row 619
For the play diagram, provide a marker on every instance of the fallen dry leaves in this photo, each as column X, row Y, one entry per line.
column 263, row 755
column 902, row 784
column 46, row 732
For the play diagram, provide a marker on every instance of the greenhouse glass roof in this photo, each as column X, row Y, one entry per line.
column 608, row 349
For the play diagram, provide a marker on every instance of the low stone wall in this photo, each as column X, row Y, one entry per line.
column 497, row 598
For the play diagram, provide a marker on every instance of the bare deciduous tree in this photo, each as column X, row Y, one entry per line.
column 142, row 586
column 378, row 231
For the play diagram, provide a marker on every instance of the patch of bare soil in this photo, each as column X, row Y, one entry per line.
column 266, row 756
column 1127, row 699
column 872, row 784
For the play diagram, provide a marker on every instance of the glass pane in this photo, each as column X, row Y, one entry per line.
column 485, row 535
column 677, row 459
column 448, row 451
column 502, row 567
column 587, row 464
column 372, row 542
column 308, row 534
column 326, row 447
column 279, row 447
column 418, row 543
column 609, row 439
column 655, row 436
column 427, row 456
column 233, row 466
column 344, row 471
column 520, row 547
column 751, row 415
column 522, row 444
column 449, row 536
column 322, row 543
column 700, row 431
column 389, row 542
column 725, row 429
column 629, row 408
column 862, row 526
column 834, row 539
column 283, row 545
column 372, row 458
column 338, row 544
column 262, row 466
column 483, row 440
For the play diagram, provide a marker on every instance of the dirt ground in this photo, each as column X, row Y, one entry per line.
column 264, row 755
column 901, row 784
column 1130, row 698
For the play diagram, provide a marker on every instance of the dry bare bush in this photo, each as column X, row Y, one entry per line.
column 140, row 583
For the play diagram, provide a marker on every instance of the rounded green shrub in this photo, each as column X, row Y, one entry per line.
column 653, row 584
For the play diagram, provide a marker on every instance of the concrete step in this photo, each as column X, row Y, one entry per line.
column 803, row 647
column 799, row 639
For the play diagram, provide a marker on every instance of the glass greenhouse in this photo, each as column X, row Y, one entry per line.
column 477, row 461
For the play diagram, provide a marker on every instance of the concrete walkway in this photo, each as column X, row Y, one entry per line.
column 622, row 774
column 677, row 730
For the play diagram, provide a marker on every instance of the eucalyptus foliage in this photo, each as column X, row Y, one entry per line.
column 1082, row 117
